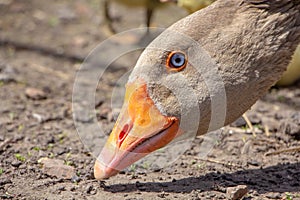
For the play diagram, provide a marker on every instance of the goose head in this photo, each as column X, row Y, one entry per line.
column 200, row 74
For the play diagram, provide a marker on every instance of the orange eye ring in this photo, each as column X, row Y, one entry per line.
column 176, row 61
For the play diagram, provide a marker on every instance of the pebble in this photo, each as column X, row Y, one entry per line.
column 57, row 168
column 93, row 192
column 88, row 189
column 39, row 118
column 254, row 118
column 35, row 94
column 16, row 163
column 290, row 128
column 5, row 78
column 273, row 195
column 7, row 74
column 75, row 179
column 4, row 180
column 239, row 122
column 61, row 188
column 162, row 195
column 253, row 163
column 238, row 192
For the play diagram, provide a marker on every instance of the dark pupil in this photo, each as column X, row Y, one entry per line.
column 178, row 60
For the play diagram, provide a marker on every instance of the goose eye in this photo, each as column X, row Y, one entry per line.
column 176, row 61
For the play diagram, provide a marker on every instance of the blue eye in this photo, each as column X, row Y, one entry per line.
column 176, row 60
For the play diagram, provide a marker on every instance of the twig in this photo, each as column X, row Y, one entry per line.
column 4, row 143
column 265, row 140
column 41, row 49
column 51, row 71
column 294, row 149
column 249, row 124
column 240, row 130
column 221, row 163
column 216, row 162
column 267, row 131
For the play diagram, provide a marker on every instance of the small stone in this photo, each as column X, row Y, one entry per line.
column 57, row 168
column 238, row 192
column 254, row 118
column 239, row 122
column 7, row 73
column 290, row 128
column 61, row 188
column 16, row 163
column 273, row 195
column 4, row 180
column 80, row 42
column 88, row 189
column 93, row 192
column 253, row 163
column 39, row 118
column 35, row 94
column 5, row 78
column 162, row 195
column 75, row 179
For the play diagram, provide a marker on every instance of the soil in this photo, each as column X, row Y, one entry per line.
column 42, row 46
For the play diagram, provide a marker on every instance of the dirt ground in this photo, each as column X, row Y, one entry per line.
column 42, row 45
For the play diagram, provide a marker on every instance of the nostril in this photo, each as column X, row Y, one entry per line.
column 123, row 134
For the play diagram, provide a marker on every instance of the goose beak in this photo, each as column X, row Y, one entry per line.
column 139, row 130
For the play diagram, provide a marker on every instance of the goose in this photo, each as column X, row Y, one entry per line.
column 292, row 74
column 191, row 5
column 149, row 5
column 205, row 70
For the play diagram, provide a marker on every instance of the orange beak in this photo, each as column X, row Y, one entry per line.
column 139, row 130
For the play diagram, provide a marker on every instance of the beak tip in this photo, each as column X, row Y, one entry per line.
column 102, row 172
column 98, row 171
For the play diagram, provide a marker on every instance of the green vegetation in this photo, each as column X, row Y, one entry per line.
column 258, row 126
column 51, row 155
column 11, row 115
column 61, row 137
column 53, row 21
column 20, row 157
column 133, row 167
column 50, row 146
column 21, row 127
column 281, row 98
column 146, row 165
column 201, row 165
column 68, row 162
column 36, row 148
column 1, row 171
column 288, row 196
